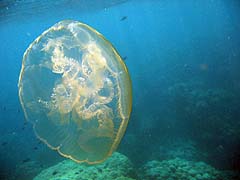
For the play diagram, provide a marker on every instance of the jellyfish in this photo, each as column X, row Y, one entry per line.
column 76, row 91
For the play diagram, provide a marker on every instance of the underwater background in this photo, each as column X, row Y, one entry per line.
column 183, row 58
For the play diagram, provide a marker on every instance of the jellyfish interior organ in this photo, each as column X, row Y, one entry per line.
column 76, row 91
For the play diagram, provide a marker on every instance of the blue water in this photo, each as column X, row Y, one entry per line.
column 183, row 58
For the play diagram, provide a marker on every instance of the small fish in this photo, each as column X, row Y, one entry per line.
column 4, row 108
column 123, row 18
column 124, row 58
column 26, row 160
column 35, row 148
column 4, row 143
column 220, row 148
column 203, row 67
column 54, row 172
column 24, row 125
column 18, row 110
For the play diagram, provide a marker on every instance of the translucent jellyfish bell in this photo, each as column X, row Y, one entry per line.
column 76, row 91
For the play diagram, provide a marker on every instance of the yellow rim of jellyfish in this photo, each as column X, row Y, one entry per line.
column 124, row 122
